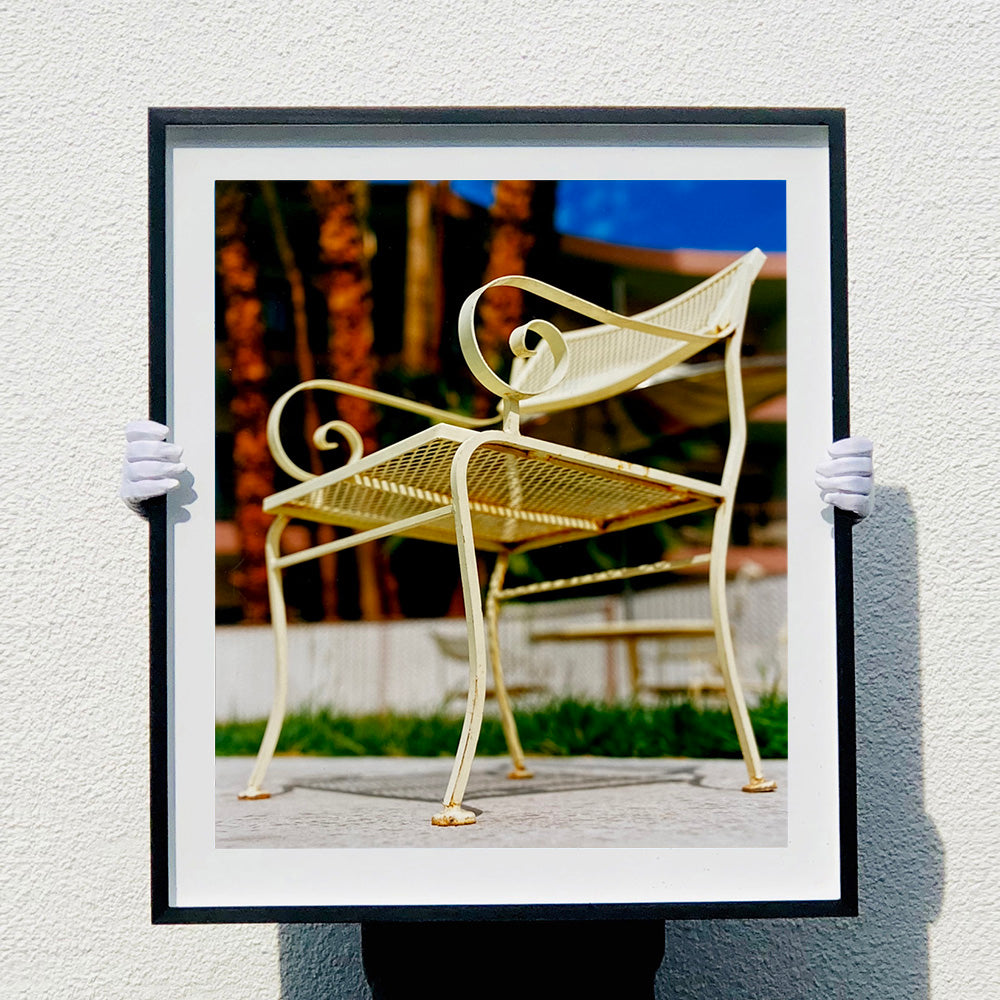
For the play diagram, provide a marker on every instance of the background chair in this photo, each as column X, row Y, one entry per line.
column 707, row 679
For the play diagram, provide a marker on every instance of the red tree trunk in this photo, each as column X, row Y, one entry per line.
column 501, row 309
column 254, row 477
column 346, row 248
column 306, row 366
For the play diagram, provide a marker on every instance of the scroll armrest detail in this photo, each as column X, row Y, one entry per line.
column 548, row 332
column 349, row 433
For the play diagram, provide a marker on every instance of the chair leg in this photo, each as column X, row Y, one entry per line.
column 453, row 814
column 727, row 656
column 503, row 701
column 279, row 624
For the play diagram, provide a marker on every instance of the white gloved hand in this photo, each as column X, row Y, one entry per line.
column 846, row 479
column 151, row 465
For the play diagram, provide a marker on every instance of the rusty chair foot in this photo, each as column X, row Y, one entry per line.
column 250, row 794
column 760, row 785
column 453, row 816
column 520, row 772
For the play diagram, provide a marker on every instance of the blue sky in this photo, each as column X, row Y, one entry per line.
column 665, row 215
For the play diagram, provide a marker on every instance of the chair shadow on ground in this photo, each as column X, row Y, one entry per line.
column 883, row 951
column 419, row 787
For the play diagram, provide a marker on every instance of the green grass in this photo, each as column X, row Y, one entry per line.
column 560, row 729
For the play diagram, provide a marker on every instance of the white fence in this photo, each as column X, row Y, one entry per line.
column 419, row 666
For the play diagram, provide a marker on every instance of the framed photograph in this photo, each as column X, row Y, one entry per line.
column 500, row 587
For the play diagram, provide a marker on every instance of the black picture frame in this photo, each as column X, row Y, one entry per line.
column 227, row 125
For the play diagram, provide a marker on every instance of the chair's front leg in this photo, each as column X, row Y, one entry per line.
column 279, row 624
column 453, row 814
column 727, row 655
column 503, row 700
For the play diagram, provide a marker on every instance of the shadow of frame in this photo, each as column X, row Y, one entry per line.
column 883, row 951
column 321, row 962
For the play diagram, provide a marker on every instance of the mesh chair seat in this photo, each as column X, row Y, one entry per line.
column 523, row 494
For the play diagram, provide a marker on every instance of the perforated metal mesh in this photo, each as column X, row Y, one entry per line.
column 606, row 355
column 516, row 495
column 411, row 483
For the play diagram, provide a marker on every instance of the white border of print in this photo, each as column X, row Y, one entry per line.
column 808, row 868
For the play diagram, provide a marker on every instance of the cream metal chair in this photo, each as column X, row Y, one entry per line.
column 501, row 491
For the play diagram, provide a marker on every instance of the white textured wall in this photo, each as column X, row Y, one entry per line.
column 918, row 80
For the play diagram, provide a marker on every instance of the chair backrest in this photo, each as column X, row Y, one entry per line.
column 607, row 359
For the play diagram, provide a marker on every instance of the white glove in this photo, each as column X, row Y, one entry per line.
column 151, row 463
column 846, row 480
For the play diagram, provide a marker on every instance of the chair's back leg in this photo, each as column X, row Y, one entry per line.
column 720, row 548
column 503, row 701
column 727, row 655
column 279, row 625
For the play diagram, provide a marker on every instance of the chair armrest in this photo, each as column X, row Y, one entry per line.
column 345, row 429
column 589, row 309
column 553, row 337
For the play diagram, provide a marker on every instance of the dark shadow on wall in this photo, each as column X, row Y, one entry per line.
column 883, row 951
column 526, row 960
column 321, row 962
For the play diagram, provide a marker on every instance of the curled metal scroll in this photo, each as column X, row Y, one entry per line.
column 346, row 430
column 552, row 336
column 320, row 438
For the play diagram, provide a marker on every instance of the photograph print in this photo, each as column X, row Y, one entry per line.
column 507, row 498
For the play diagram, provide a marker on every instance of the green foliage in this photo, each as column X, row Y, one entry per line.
column 564, row 728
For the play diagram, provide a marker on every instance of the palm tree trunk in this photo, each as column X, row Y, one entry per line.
column 501, row 309
column 346, row 248
column 420, row 305
column 304, row 362
column 254, row 476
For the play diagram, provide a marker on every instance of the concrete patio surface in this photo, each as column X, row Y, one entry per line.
column 321, row 802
